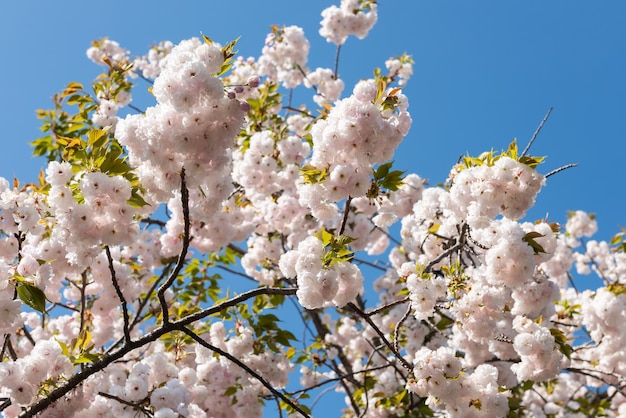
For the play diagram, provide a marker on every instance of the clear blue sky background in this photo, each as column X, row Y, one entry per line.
column 485, row 73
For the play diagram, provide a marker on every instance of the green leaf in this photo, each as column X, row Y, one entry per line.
column 313, row 175
column 86, row 358
column 529, row 238
column 136, row 200
column 324, row 236
column 32, row 296
column 561, row 340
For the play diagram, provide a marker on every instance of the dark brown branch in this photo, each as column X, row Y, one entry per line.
column 384, row 339
column 235, row 301
column 83, row 298
column 389, row 305
column 8, row 346
column 396, row 330
column 164, row 329
column 142, row 305
column 28, row 336
column 322, row 331
column 120, row 295
column 245, row 367
column 125, row 402
column 237, row 249
column 184, row 197
column 150, row 221
column 346, row 212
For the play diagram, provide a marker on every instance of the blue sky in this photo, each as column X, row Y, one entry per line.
column 485, row 72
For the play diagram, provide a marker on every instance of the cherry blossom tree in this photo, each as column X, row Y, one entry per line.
column 205, row 257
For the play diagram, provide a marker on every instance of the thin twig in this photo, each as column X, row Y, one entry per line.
column 371, row 323
column 346, row 212
column 28, row 336
column 545, row 118
column 245, row 367
column 136, row 109
column 83, row 299
column 336, row 71
column 125, row 402
column 558, row 170
column 336, row 379
column 389, row 305
column 391, row 237
column 142, row 305
column 120, row 295
column 236, row 273
column 396, row 330
column 589, row 373
column 8, row 346
column 184, row 197
column 369, row 263
column 322, row 331
column 301, row 111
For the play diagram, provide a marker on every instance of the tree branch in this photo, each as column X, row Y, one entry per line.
column 120, row 295
column 241, row 364
column 184, row 197
column 125, row 402
column 558, row 170
column 97, row 366
column 346, row 212
column 371, row 323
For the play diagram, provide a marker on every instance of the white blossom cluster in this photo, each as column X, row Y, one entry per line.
column 193, row 125
column 285, row 56
column 439, row 378
column 357, row 135
column 320, row 285
column 350, row 18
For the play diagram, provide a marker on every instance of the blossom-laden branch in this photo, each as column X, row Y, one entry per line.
column 381, row 335
column 150, row 337
column 127, row 403
column 248, row 370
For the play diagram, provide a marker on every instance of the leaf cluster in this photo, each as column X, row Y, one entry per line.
column 490, row 158
column 336, row 248
column 385, row 179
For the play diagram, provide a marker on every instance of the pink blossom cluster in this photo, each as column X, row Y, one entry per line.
column 193, row 125
column 352, row 17
column 319, row 285
column 285, row 56
column 439, row 377
column 508, row 187
column 403, row 70
column 328, row 87
column 357, row 134
column 150, row 65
